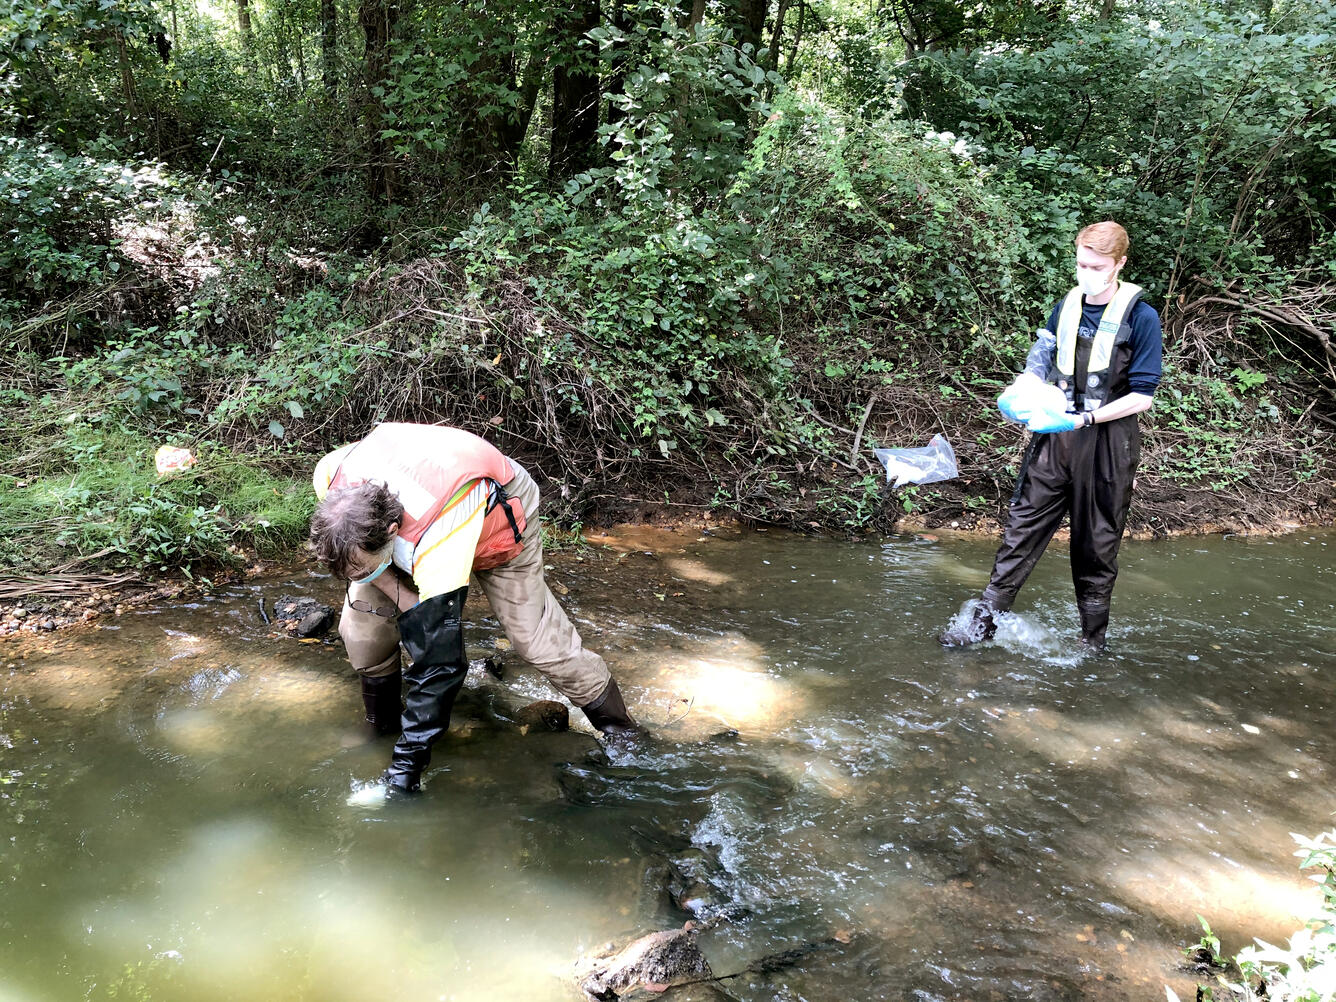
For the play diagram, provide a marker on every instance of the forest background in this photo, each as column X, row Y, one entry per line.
column 672, row 258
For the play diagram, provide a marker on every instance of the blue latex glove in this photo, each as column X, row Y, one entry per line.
column 1045, row 422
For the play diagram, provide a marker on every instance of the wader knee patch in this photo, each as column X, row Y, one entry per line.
column 379, row 670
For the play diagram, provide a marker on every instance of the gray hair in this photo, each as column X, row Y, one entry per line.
column 351, row 518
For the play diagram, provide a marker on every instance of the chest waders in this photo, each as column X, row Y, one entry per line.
column 1085, row 475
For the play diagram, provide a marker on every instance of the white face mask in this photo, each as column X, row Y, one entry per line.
column 387, row 554
column 1092, row 283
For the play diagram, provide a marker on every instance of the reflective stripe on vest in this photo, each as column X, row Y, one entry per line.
column 426, row 466
column 1112, row 319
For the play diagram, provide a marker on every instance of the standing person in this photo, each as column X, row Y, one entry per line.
column 1105, row 358
column 404, row 515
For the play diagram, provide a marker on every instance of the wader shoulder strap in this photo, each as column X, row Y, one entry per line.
column 500, row 497
column 1111, row 322
column 1069, row 326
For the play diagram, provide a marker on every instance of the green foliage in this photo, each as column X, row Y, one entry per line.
column 93, row 492
column 59, row 213
column 759, row 252
column 657, row 272
column 309, row 366
column 1214, row 424
column 143, row 372
column 1207, row 132
column 1209, row 944
column 663, row 152
column 45, row 40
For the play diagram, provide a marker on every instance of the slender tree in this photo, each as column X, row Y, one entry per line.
column 244, row 25
column 329, row 40
column 575, row 91
column 377, row 18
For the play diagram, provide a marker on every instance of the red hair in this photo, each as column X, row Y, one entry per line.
column 1105, row 238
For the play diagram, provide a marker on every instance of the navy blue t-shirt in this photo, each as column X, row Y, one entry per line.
column 1147, row 344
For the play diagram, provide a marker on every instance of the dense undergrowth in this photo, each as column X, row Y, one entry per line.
column 760, row 276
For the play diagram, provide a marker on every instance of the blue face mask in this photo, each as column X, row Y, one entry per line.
column 388, row 552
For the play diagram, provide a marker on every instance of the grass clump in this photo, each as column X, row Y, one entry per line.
column 82, row 488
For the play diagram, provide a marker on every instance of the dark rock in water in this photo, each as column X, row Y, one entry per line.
column 655, row 962
column 302, row 616
column 544, row 715
column 490, row 665
column 317, row 624
column 696, row 882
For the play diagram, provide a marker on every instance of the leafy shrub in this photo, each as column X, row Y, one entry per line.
column 57, row 214
column 1207, row 132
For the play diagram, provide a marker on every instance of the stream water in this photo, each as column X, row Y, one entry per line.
column 1017, row 821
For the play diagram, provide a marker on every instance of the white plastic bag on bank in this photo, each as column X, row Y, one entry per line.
column 934, row 462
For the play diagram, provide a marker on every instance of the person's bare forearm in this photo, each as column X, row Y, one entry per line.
column 1124, row 406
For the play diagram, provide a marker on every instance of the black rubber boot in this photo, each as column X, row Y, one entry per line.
column 979, row 627
column 383, row 700
column 434, row 639
column 1094, row 623
column 608, row 713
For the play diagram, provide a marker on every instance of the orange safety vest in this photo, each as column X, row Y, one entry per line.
column 426, row 466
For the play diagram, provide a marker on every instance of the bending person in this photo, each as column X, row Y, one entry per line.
column 404, row 515
column 1105, row 359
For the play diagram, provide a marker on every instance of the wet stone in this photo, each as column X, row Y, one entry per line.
column 488, row 664
column 302, row 616
column 654, row 962
column 544, row 715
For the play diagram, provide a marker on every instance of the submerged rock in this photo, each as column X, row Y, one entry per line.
column 488, row 664
column 544, row 715
column 655, row 962
column 303, row 617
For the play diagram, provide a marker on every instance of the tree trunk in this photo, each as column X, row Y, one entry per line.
column 127, row 77
column 797, row 40
column 530, row 85
column 329, row 38
column 697, row 13
column 298, row 43
column 377, row 18
column 748, row 23
column 575, row 93
column 776, row 37
column 244, row 25
column 493, row 127
column 281, row 43
column 1106, row 11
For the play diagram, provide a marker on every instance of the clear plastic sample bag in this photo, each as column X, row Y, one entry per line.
column 933, row 462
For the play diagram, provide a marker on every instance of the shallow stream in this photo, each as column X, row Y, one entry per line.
column 1017, row 821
